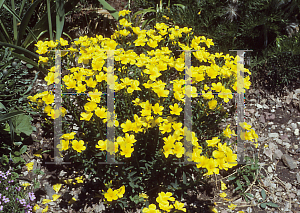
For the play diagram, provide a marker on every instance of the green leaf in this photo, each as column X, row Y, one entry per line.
column 263, row 194
column 247, row 180
column 17, row 17
column 110, row 9
column 25, row 20
column 60, row 18
column 29, row 66
column 231, row 178
column 22, row 124
column 248, row 194
column 263, row 205
column 184, row 178
column 18, row 143
column 16, row 159
column 23, row 149
column 7, row 116
column 274, row 205
column 2, row 106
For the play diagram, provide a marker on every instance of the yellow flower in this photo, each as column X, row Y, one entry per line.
column 124, row 12
column 232, row 206
column 79, row 179
column 212, row 104
column 72, row 200
column 48, row 99
column 46, row 201
column 25, row 185
column 223, row 194
column 36, row 207
column 63, row 42
column 78, row 145
column 43, row 59
column 179, row 206
column 223, row 186
column 55, row 197
column 111, row 195
column 151, row 209
column 121, row 191
column 64, row 145
column 57, row 187
column 29, row 166
column 52, row 44
column 175, row 109
column 125, row 23
column 213, row 142
column 45, row 209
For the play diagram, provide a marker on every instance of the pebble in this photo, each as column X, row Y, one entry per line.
column 296, row 132
column 273, row 135
column 288, row 186
column 298, row 177
column 289, row 161
column 294, row 125
column 278, row 154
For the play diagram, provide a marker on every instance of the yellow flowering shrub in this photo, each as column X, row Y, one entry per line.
column 149, row 86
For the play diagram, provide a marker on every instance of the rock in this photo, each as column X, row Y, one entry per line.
column 287, row 207
column 262, row 119
column 268, row 152
column 296, row 132
column 298, row 177
column 62, row 173
column 259, row 106
column 294, row 125
column 298, row 150
column 273, row 146
column 265, row 106
column 297, row 91
column 49, row 190
column 270, row 169
column 278, row 154
column 288, row 186
column 289, row 161
column 273, row 135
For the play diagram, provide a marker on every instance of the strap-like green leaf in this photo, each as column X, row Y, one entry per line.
column 3, row 33
column 22, row 50
column 7, row 116
column 25, row 20
column 18, row 18
column 110, row 9
column 1, row 3
column 60, row 18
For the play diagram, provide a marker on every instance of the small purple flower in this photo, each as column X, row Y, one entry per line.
column 18, row 188
column 1, row 208
column 23, row 202
column 6, row 188
column 31, row 196
column 10, row 181
column 8, row 172
column 28, row 206
column 5, row 200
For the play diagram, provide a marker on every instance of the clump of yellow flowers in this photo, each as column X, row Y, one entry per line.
column 151, row 61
